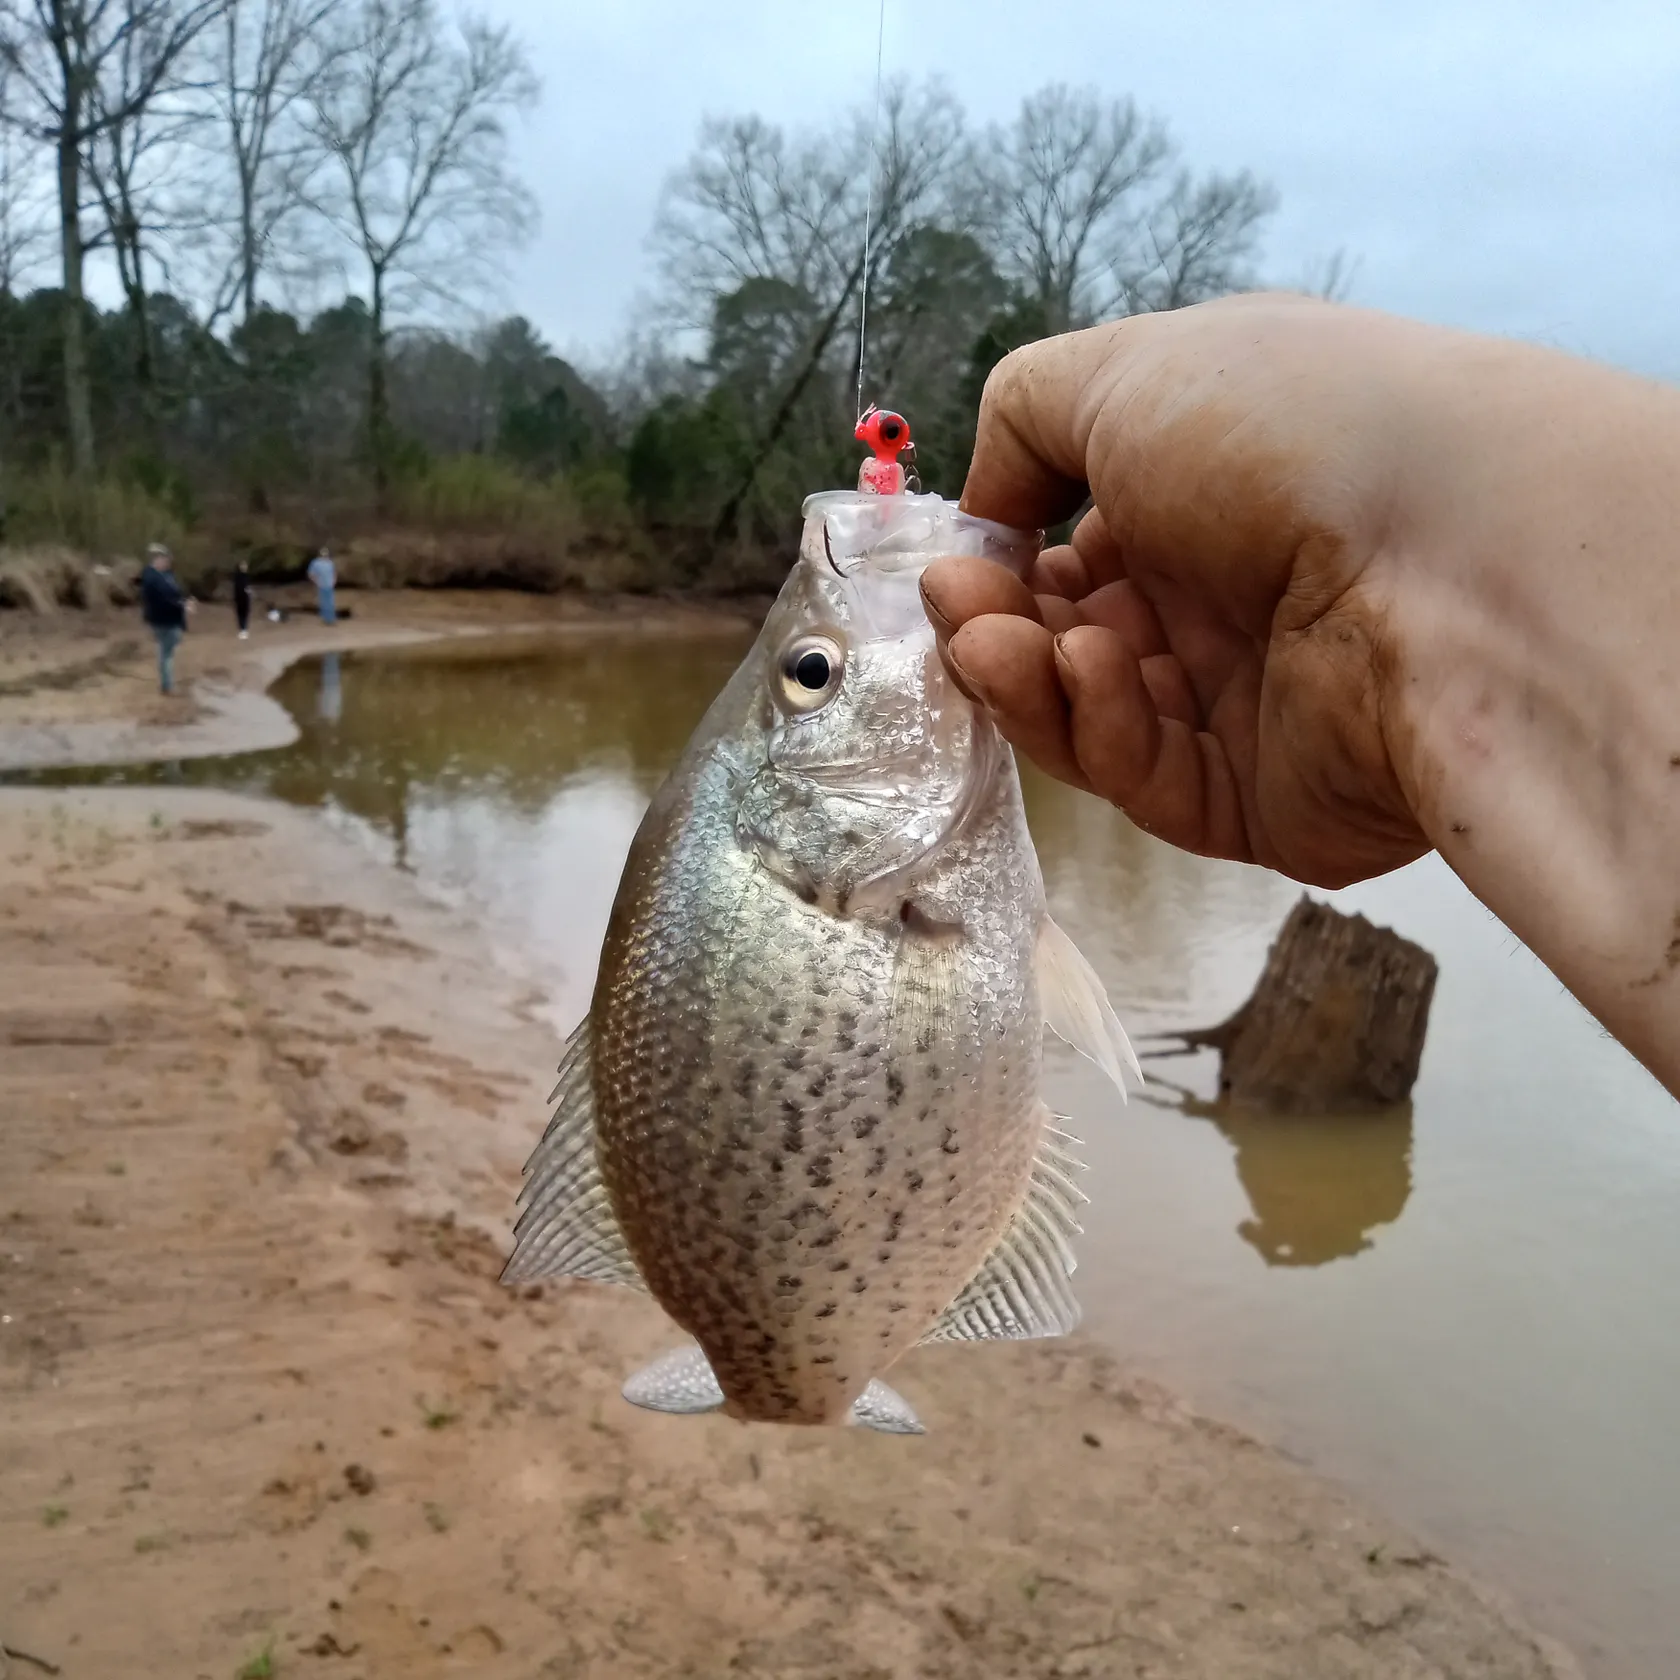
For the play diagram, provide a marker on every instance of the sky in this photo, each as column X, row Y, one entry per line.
column 1501, row 166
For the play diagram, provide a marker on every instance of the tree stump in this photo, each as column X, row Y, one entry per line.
column 1336, row 1021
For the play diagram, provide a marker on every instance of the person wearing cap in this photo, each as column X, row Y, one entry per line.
column 164, row 605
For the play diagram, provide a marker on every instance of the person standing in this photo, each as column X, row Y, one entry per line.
column 164, row 605
column 324, row 575
column 242, row 597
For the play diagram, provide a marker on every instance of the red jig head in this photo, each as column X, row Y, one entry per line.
column 887, row 435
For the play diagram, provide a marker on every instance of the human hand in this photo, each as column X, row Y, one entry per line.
column 1352, row 588
column 1215, row 650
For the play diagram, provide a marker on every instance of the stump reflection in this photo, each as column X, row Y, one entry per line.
column 1319, row 1184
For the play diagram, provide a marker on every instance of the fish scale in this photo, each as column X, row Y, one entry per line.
column 804, row 1112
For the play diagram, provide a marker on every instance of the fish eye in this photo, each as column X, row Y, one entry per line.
column 811, row 667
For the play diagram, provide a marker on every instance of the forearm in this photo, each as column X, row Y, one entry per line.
column 1535, row 712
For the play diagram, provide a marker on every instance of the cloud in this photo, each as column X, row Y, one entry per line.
column 1501, row 166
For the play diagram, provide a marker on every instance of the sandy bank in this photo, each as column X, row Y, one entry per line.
column 80, row 688
column 262, row 1111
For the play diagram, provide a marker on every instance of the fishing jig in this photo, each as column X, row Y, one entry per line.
column 882, row 474
column 888, row 437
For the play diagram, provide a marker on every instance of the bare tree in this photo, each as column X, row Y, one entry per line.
column 25, row 235
column 61, row 56
column 413, row 118
column 1091, row 217
column 1330, row 278
column 750, row 206
column 1067, row 190
column 24, row 240
column 142, row 113
column 263, row 60
column 755, row 204
column 1198, row 244
column 754, row 209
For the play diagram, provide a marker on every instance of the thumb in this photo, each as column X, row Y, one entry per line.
column 1029, row 467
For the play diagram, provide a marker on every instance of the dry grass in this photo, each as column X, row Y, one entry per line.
column 43, row 577
column 403, row 558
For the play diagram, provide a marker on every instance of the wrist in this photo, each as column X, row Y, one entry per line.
column 1533, row 712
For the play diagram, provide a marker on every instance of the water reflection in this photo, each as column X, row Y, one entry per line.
column 1319, row 1185
column 329, row 703
column 515, row 720
column 1179, row 940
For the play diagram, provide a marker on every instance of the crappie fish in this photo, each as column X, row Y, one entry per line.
column 803, row 1112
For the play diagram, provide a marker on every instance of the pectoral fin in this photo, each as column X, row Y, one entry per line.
column 1076, row 1007
column 1024, row 1289
column 568, row 1228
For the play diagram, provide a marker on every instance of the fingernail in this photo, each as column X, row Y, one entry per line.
column 975, row 691
column 1064, row 667
column 941, row 624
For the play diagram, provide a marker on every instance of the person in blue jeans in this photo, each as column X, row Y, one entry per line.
column 164, row 605
column 324, row 575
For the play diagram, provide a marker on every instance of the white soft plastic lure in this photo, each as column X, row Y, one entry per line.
column 804, row 1110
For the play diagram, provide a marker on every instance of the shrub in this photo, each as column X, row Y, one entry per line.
column 480, row 493
column 110, row 519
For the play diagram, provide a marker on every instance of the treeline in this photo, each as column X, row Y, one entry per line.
column 499, row 462
column 300, row 201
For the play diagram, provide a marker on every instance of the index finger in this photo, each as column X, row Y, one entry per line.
column 1036, row 416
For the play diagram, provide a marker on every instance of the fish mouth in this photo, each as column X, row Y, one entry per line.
column 854, row 528
column 883, row 558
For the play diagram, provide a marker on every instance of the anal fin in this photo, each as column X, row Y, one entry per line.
column 568, row 1228
column 680, row 1381
column 1024, row 1288
column 1076, row 1006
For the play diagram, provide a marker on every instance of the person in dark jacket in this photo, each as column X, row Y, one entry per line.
column 164, row 605
column 242, row 597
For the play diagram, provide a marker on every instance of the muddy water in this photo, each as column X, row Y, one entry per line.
column 1465, row 1310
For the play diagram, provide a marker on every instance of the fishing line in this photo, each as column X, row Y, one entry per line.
column 869, row 200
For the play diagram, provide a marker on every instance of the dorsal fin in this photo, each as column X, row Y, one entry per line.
column 568, row 1228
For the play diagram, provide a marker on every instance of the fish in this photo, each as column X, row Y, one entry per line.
column 804, row 1109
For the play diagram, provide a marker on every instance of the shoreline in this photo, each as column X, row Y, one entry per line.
column 92, row 700
column 270, row 1103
